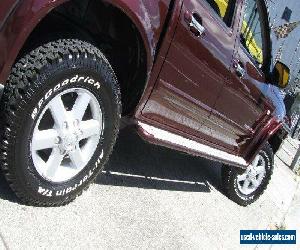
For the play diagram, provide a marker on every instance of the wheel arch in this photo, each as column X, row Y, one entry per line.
column 26, row 16
column 148, row 21
column 272, row 132
column 276, row 139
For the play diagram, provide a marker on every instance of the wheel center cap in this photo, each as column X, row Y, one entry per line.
column 252, row 173
column 69, row 142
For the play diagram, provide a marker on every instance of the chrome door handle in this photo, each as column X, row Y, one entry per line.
column 194, row 24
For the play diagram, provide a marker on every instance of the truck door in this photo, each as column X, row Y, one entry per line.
column 196, row 66
column 242, row 106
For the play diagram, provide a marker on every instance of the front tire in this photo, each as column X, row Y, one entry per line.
column 61, row 119
column 246, row 186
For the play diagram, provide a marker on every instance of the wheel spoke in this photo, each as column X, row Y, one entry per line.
column 246, row 184
column 53, row 163
column 90, row 128
column 255, row 182
column 80, row 106
column 77, row 158
column 241, row 177
column 58, row 111
column 260, row 168
column 44, row 139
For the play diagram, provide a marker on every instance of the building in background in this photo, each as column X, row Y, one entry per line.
column 286, row 48
column 285, row 25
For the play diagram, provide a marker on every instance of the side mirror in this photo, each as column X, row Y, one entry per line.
column 281, row 75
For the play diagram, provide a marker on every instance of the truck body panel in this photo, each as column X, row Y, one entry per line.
column 192, row 89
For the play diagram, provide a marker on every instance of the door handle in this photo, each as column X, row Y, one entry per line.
column 195, row 24
column 239, row 69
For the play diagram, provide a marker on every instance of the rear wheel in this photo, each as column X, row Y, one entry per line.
column 246, row 186
column 61, row 119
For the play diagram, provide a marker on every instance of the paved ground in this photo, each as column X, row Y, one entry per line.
column 153, row 198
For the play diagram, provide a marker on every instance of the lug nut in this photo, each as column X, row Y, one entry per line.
column 76, row 122
column 65, row 125
column 57, row 140
column 62, row 152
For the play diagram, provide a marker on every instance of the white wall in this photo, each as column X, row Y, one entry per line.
column 290, row 46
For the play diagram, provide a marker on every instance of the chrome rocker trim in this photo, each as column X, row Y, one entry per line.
column 203, row 150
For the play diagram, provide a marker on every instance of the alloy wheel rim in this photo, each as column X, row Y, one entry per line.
column 66, row 134
column 252, row 178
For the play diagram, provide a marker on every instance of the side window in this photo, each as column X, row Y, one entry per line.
column 224, row 9
column 251, row 35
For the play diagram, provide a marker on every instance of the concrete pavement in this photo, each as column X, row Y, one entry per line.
column 149, row 197
column 292, row 220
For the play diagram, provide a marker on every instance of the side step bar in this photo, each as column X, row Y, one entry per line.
column 184, row 143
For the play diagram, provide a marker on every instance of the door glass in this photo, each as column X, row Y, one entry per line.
column 251, row 35
column 224, row 9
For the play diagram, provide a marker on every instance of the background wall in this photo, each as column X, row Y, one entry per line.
column 287, row 49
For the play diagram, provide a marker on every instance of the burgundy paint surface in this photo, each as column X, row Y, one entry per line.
column 192, row 87
column 198, row 93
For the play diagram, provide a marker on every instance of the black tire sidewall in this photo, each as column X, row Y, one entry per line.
column 40, row 188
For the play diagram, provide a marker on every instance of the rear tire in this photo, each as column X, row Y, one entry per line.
column 60, row 121
column 246, row 186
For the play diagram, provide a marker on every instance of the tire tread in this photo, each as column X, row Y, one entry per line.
column 22, row 82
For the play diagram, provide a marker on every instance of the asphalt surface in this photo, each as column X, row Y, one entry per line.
column 148, row 197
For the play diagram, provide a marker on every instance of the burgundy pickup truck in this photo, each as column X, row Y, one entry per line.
column 193, row 75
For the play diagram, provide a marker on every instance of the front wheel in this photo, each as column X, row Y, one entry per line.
column 246, row 186
column 61, row 119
